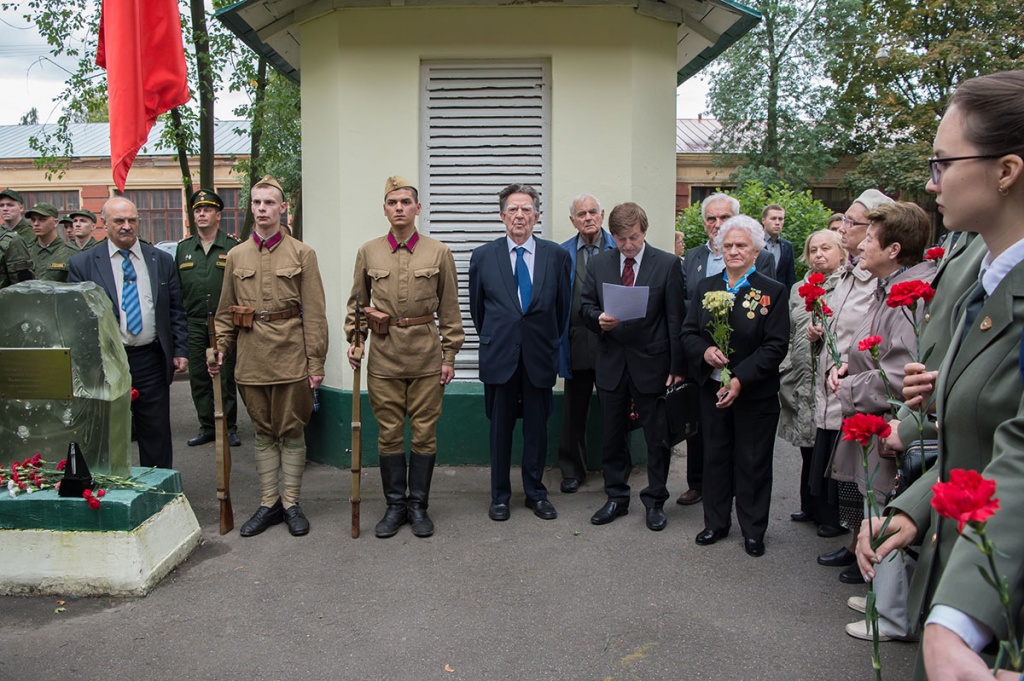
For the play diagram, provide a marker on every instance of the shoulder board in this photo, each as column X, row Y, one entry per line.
column 234, row 237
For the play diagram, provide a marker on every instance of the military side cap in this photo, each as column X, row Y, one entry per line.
column 268, row 181
column 84, row 213
column 13, row 195
column 206, row 197
column 397, row 182
column 47, row 209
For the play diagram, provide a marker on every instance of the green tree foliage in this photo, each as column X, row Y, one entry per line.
column 804, row 215
column 897, row 62
column 31, row 117
column 771, row 97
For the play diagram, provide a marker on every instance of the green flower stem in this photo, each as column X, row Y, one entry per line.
column 1011, row 646
column 870, row 611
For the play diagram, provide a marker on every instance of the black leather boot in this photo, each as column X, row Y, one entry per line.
column 421, row 471
column 392, row 475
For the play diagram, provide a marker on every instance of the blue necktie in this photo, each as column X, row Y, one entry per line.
column 130, row 295
column 523, row 279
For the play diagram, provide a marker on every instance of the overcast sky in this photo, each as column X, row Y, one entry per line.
column 29, row 77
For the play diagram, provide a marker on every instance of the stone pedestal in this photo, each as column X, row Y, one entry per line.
column 50, row 545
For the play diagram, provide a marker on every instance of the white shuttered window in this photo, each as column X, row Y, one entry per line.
column 485, row 126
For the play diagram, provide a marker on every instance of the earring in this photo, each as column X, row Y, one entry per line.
column 1003, row 191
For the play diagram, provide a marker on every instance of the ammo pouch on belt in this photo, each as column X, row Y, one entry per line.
column 242, row 316
column 378, row 321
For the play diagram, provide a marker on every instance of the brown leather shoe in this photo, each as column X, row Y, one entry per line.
column 689, row 497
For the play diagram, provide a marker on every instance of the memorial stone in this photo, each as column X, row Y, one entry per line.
column 43, row 314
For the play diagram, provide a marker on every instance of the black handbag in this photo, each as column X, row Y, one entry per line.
column 917, row 458
column 681, row 409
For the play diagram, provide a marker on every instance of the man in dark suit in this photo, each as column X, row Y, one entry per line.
column 773, row 217
column 699, row 263
column 579, row 344
column 519, row 297
column 142, row 283
column 636, row 359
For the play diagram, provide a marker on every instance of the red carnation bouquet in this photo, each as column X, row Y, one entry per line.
column 813, row 294
column 862, row 429
column 968, row 498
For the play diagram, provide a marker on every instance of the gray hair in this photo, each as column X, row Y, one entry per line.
column 519, row 189
column 719, row 196
column 580, row 199
column 744, row 223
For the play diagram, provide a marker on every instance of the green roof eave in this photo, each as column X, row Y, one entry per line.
column 231, row 19
column 749, row 18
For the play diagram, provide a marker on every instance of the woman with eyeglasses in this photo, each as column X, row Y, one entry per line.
column 977, row 175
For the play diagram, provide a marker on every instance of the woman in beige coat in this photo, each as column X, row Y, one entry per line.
column 824, row 254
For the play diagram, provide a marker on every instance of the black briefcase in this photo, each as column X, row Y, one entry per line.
column 681, row 411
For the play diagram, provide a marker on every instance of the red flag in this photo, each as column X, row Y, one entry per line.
column 140, row 47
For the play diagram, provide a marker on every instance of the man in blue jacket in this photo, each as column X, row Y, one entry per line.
column 578, row 343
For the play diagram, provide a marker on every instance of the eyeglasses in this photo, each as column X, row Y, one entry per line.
column 847, row 222
column 937, row 165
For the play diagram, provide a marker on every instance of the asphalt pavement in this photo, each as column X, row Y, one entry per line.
column 480, row 600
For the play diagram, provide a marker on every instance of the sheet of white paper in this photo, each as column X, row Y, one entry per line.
column 625, row 302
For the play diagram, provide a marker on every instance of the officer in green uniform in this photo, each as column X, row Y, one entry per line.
column 83, row 222
column 66, row 230
column 15, row 262
column 12, row 208
column 200, row 260
column 50, row 255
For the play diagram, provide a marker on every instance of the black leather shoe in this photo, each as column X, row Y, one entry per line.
column 543, row 509
column 708, row 537
column 296, row 519
column 801, row 517
column 656, row 519
column 262, row 519
column 838, row 558
column 498, row 512
column 609, row 512
column 831, row 531
column 851, row 575
column 753, row 547
column 201, row 439
column 690, row 497
column 233, row 440
column 570, row 486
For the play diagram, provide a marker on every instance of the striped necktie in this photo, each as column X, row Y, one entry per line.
column 628, row 276
column 130, row 295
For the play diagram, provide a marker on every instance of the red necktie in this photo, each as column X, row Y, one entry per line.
column 627, row 272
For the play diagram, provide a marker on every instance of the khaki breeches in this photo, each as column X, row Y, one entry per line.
column 392, row 399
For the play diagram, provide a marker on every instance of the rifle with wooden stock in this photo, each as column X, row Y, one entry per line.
column 223, row 447
column 357, row 426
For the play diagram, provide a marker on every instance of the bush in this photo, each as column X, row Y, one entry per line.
column 803, row 215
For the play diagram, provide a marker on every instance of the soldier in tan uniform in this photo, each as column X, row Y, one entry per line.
column 407, row 278
column 272, row 316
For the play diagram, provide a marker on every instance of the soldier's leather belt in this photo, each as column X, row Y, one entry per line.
column 402, row 322
column 265, row 316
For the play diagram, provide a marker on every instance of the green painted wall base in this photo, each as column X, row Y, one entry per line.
column 462, row 431
column 120, row 510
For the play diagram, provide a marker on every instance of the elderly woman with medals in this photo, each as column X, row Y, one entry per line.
column 735, row 335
